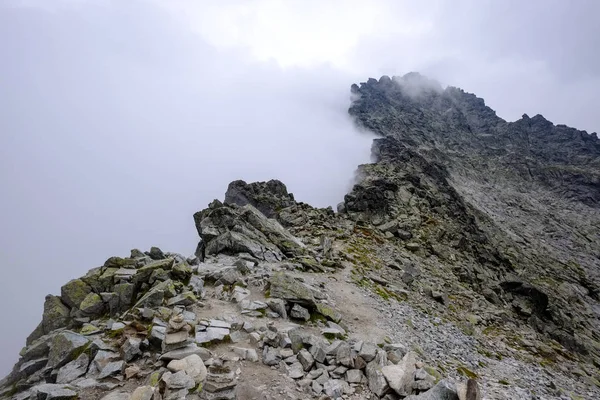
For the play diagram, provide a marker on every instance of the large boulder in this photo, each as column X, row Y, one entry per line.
column 444, row 390
column 74, row 291
column 230, row 229
column 268, row 197
column 56, row 314
column 64, row 347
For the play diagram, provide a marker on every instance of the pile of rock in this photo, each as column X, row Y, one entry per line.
column 220, row 383
column 338, row 367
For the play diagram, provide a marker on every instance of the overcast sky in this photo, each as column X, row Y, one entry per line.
column 119, row 119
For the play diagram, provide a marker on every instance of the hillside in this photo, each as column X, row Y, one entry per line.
column 463, row 264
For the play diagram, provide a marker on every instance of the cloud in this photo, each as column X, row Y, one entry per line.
column 118, row 120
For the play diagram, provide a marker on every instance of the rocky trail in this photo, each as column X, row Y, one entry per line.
column 426, row 284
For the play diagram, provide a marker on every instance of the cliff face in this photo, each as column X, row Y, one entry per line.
column 515, row 207
column 465, row 262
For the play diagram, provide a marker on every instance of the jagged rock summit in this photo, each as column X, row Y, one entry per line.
column 463, row 264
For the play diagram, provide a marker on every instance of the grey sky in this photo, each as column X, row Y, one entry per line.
column 119, row 119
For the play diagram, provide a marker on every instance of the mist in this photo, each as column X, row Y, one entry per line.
column 119, row 120
column 113, row 139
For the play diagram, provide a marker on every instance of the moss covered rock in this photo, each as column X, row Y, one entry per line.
column 56, row 314
column 74, row 292
column 64, row 347
column 92, row 305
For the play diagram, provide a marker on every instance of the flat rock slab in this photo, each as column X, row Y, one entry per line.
column 50, row 391
column 211, row 334
column 64, row 346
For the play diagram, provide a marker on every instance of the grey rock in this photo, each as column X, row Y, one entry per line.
column 333, row 388
column 49, row 391
column 306, row 359
column 444, row 390
column 377, row 382
column 64, row 346
column 211, row 334
column 143, row 393
column 299, row 312
column 117, row 396
column 183, row 352
column 271, row 356
column 131, row 348
column 296, row 371
column 175, row 341
column 400, row 376
column 192, row 365
column 354, row 376
column 112, row 368
column 73, row 370
column 368, row 351
column 278, row 306
column 183, row 299
column 178, row 380
column 344, row 355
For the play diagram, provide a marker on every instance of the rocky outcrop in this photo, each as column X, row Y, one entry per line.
column 267, row 197
column 505, row 199
column 463, row 264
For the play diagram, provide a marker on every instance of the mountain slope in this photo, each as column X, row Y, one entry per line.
column 463, row 264
column 526, row 198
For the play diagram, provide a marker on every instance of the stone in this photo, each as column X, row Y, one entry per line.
column 73, row 292
column 377, row 382
column 318, row 352
column 288, row 288
column 50, row 391
column 197, row 285
column 89, row 329
column 344, row 355
column 131, row 349
column 103, row 357
column 239, row 293
column 143, row 393
column 299, row 312
column 440, row 296
column 296, row 371
column 278, row 306
column 183, row 352
column 413, row 246
column 211, row 334
column 183, row 299
column 368, row 351
column 354, row 376
column 64, row 346
column 156, row 254
column 157, row 335
column 192, row 365
column 177, row 322
column 117, row 396
column 400, row 376
column 29, row 367
column 92, row 305
column 317, row 387
column 181, row 271
column 328, row 312
column 55, row 316
column 178, row 380
column 271, row 356
column 175, row 340
column 132, row 371
column 112, row 368
column 333, row 388
column 306, row 359
column 74, row 369
column 468, row 390
column 444, row 390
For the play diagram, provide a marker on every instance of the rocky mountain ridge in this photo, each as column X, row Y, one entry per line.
column 463, row 264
